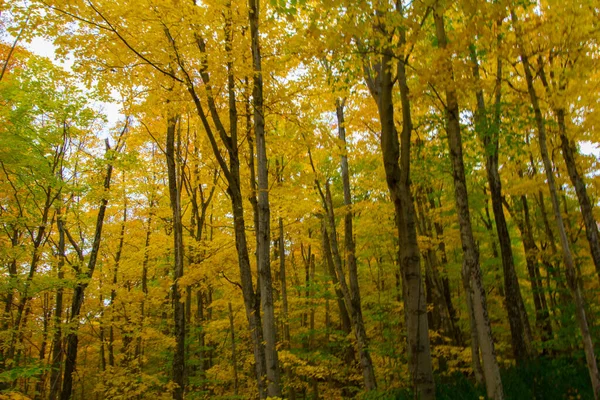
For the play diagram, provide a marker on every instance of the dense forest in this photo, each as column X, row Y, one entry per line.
column 301, row 199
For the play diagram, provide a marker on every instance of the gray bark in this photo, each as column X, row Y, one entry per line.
column 570, row 269
column 471, row 270
column 178, row 305
column 264, row 214
column 489, row 135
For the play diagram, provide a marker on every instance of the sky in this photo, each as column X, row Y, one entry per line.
column 42, row 47
column 112, row 110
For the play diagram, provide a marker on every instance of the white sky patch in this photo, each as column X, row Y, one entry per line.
column 44, row 48
column 588, row 148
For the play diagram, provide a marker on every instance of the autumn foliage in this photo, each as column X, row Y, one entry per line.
column 300, row 199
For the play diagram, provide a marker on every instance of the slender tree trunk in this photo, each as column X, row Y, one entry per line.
column 571, row 272
column 179, row 306
column 489, row 134
column 233, row 351
column 355, row 312
column 542, row 315
column 471, row 270
column 396, row 161
column 345, row 322
column 263, row 232
column 585, row 205
column 282, row 277
column 72, row 339
column 57, row 350
column 350, row 247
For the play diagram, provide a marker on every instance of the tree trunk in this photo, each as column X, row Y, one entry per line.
column 178, row 305
column 350, row 246
column 396, row 161
column 571, row 272
column 345, row 322
column 78, row 295
column 57, row 351
column 489, row 134
column 263, row 232
column 471, row 270
column 282, row 277
column 585, row 205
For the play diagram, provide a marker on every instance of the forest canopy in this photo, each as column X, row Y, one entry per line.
column 300, row 199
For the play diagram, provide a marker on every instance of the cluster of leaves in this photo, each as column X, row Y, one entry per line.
column 53, row 162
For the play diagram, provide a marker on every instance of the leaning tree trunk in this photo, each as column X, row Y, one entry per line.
column 365, row 358
column 585, row 205
column 570, row 269
column 471, row 270
column 489, row 134
column 231, row 171
column 356, row 317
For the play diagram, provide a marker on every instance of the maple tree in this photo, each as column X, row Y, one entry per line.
column 300, row 199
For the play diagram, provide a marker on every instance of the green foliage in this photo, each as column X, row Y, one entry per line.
column 543, row 378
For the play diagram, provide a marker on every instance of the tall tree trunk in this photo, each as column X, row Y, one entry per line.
column 72, row 339
column 178, row 305
column 233, row 351
column 231, row 172
column 350, row 246
column 396, row 161
column 585, row 205
column 471, row 270
column 57, row 350
column 489, row 134
column 345, row 322
column 542, row 315
column 282, row 277
column 571, row 272
column 355, row 312
column 263, row 232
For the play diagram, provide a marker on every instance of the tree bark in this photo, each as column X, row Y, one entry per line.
column 471, row 270
column 489, row 135
column 396, row 161
column 178, row 248
column 570, row 269
column 57, row 351
column 350, row 246
column 264, row 214
column 585, row 205
column 72, row 339
column 355, row 312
